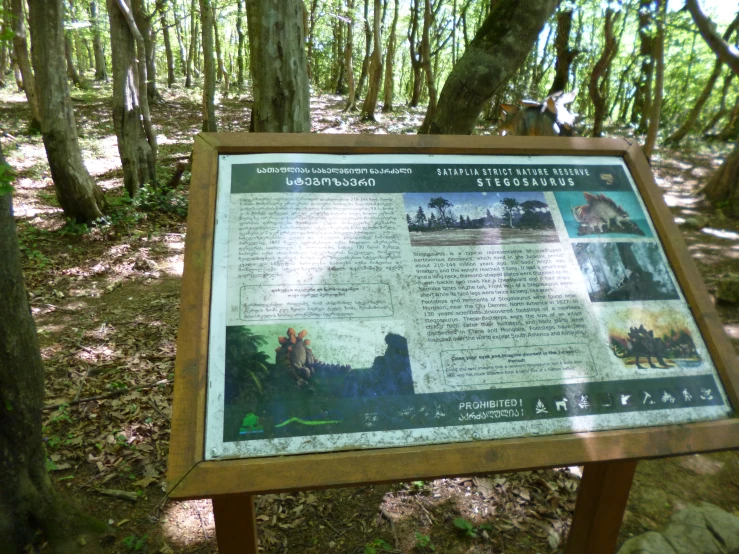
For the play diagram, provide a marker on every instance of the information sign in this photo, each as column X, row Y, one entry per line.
column 379, row 300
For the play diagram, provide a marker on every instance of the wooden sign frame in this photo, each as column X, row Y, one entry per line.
column 609, row 456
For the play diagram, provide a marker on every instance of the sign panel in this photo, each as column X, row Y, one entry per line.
column 368, row 301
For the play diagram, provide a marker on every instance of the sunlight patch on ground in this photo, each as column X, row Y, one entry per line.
column 732, row 331
column 174, row 265
column 188, row 523
column 721, row 233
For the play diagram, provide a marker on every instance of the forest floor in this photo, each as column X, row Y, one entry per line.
column 106, row 299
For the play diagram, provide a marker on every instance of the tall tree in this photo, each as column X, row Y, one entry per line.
column 643, row 99
column 565, row 54
column 375, row 70
column 242, row 43
column 279, row 68
column 498, row 49
column 724, row 184
column 143, row 20
column 659, row 58
column 598, row 85
column 80, row 198
column 349, row 57
column 209, row 68
column 131, row 120
column 161, row 7
column 387, row 102
column 20, row 45
column 101, row 73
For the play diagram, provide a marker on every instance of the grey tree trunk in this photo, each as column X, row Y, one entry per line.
column 167, row 44
column 565, row 55
column 659, row 79
column 223, row 75
column 387, row 101
column 27, row 497
column 375, row 70
column 367, row 50
column 191, row 49
column 138, row 157
column 143, row 23
column 349, row 58
column 180, row 41
column 209, row 68
column 428, row 71
column 101, row 73
column 499, row 47
column 279, row 67
column 20, row 44
column 597, row 85
column 69, row 55
column 242, row 45
column 80, row 198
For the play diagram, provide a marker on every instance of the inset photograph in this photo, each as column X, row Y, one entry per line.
column 470, row 218
column 624, row 271
column 651, row 339
column 611, row 214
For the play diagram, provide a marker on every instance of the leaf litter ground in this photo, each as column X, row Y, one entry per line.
column 106, row 304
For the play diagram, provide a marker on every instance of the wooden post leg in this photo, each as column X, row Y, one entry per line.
column 236, row 524
column 601, row 502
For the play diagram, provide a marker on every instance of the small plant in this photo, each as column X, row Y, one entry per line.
column 423, row 543
column 152, row 199
column 469, row 529
column 134, row 543
column 376, row 546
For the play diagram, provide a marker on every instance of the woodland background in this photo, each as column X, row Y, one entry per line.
column 98, row 147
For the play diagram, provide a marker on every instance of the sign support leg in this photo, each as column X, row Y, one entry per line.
column 236, row 524
column 601, row 502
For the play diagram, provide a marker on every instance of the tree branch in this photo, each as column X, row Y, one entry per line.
column 725, row 51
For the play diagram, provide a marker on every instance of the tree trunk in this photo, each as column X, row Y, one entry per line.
column 387, row 105
column 180, row 42
column 598, row 84
column 279, row 67
column 221, row 73
column 210, row 124
column 29, row 501
column 426, row 57
column 643, row 100
column 564, row 54
column 191, row 50
column 722, row 110
column 349, row 58
column 20, row 44
column 659, row 78
column 416, row 60
column 724, row 184
column 143, row 24
column 138, row 156
column 72, row 72
column 367, row 50
column 167, row 44
column 101, row 73
column 242, row 45
column 80, row 198
column 502, row 43
column 375, row 70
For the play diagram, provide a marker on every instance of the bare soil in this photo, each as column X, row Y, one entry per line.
column 106, row 303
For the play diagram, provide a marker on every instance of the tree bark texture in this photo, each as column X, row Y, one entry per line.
column 101, row 73
column 375, row 69
column 643, row 99
column 27, row 498
column 210, row 124
column 137, row 155
column 80, row 198
column 499, row 47
column 387, row 102
column 428, row 18
column 143, row 23
column 279, row 67
column 565, row 55
column 20, row 45
column 242, row 44
column 416, row 60
column 599, row 77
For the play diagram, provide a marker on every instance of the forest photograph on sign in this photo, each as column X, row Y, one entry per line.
column 367, row 301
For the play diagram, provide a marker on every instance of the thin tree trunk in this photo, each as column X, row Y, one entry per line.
column 138, row 154
column 72, row 72
column 659, row 57
column 599, row 77
column 180, row 42
column 367, row 50
column 416, row 59
column 80, row 198
column 242, row 41
column 279, row 67
column 565, row 55
column 375, row 70
column 502, row 43
column 722, row 110
column 191, row 50
column 20, row 44
column 101, row 73
column 387, row 105
column 426, row 57
column 209, row 68
column 311, row 38
column 143, row 24
column 167, row 44
column 221, row 72
column 349, row 58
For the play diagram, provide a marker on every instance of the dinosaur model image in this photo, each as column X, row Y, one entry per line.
column 601, row 214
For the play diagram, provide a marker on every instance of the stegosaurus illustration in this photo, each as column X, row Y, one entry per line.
column 602, row 215
column 294, row 355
